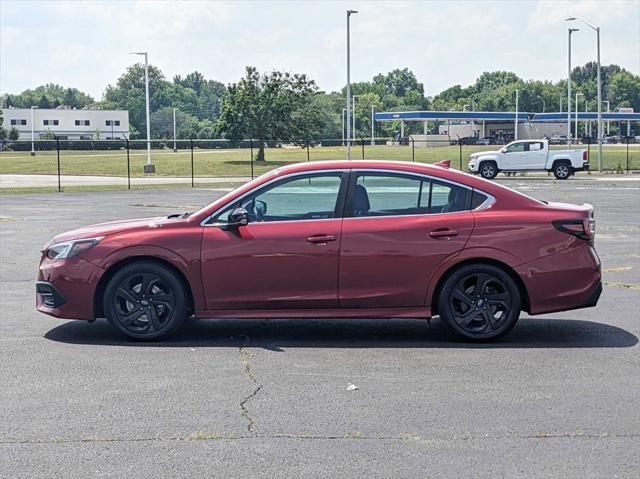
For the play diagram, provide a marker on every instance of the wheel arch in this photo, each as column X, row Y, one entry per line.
column 117, row 266
column 522, row 289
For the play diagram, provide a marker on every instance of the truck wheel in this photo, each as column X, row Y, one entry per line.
column 488, row 170
column 562, row 170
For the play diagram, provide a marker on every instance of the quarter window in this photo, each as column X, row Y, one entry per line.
column 308, row 197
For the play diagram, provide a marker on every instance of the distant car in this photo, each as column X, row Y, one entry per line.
column 484, row 141
column 611, row 140
column 529, row 155
column 557, row 139
column 362, row 239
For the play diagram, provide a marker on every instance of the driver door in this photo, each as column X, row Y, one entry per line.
column 286, row 257
column 513, row 157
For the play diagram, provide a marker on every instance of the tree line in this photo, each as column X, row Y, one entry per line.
column 287, row 106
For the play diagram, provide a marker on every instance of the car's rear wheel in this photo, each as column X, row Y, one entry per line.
column 145, row 301
column 562, row 170
column 488, row 170
column 479, row 302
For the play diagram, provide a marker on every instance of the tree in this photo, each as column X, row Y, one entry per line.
column 14, row 134
column 624, row 90
column 3, row 131
column 50, row 95
column 263, row 107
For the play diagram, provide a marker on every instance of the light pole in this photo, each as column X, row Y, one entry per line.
column 607, row 102
column 577, row 95
column 515, row 123
column 349, row 12
column 464, row 107
column 597, row 30
column 571, row 30
column 543, row 103
column 149, row 167
column 353, row 117
column 33, row 149
column 174, row 131
column 343, row 113
column 373, row 131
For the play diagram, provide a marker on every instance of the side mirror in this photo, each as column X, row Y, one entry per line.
column 238, row 217
column 504, row 150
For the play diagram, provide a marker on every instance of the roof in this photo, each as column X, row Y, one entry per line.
column 450, row 115
column 522, row 116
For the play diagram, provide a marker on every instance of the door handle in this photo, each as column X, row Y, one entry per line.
column 443, row 233
column 321, row 239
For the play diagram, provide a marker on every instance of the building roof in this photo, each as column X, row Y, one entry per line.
column 522, row 116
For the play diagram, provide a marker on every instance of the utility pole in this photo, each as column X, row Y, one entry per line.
column 349, row 12
column 571, row 30
column 175, row 149
column 373, row 142
column 515, row 124
column 149, row 167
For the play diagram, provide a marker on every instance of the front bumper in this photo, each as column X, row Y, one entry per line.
column 66, row 288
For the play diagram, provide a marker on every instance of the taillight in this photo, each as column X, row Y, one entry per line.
column 583, row 228
column 585, row 156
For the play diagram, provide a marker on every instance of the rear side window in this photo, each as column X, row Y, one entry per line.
column 477, row 199
column 391, row 194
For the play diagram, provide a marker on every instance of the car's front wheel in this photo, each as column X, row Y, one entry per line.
column 488, row 170
column 479, row 302
column 145, row 300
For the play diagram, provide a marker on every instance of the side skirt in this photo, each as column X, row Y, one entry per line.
column 422, row 313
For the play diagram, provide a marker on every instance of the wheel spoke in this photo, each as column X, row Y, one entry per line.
column 482, row 280
column 490, row 322
column 152, row 314
column 462, row 296
column 130, row 296
column 465, row 318
column 127, row 319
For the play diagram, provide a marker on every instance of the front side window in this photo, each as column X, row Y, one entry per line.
column 515, row 148
column 303, row 197
column 393, row 194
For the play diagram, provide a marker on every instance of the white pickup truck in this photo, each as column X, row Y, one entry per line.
column 529, row 155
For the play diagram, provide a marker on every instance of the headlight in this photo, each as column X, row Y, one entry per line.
column 67, row 249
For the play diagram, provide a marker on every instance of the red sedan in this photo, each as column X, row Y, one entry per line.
column 359, row 239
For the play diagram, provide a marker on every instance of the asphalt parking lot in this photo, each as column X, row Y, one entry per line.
column 244, row 398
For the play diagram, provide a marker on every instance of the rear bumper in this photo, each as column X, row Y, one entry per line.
column 569, row 279
column 585, row 167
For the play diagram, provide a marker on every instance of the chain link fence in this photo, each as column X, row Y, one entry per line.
column 72, row 165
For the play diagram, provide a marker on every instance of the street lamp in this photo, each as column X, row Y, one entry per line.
column 349, row 12
column 174, row 130
column 571, row 30
column 343, row 114
column 543, row 103
column 577, row 95
column 597, row 30
column 353, row 118
column 515, row 123
column 149, row 167
column 33, row 150
column 608, row 121
column 372, row 127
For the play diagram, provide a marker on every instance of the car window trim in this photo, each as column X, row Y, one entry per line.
column 344, row 177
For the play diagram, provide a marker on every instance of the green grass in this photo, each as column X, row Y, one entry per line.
column 227, row 185
column 236, row 162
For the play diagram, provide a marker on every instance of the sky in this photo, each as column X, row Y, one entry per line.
column 86, row 44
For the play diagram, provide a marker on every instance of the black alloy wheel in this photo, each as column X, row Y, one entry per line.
column 145, row 301
column 479, row 302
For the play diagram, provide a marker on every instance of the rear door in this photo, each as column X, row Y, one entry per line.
column 536, row 155
column 397, row 229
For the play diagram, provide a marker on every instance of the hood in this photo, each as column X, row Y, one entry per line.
column 482, row 153
column 106, row 229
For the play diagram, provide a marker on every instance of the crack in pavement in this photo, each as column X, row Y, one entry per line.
column 303, row 436
column 246, row 357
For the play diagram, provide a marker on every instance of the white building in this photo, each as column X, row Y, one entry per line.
column 68, row 124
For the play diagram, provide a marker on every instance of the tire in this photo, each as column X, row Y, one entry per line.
column 488, row 170
column 562, row 170
column 479, row 302
column 149, row 285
